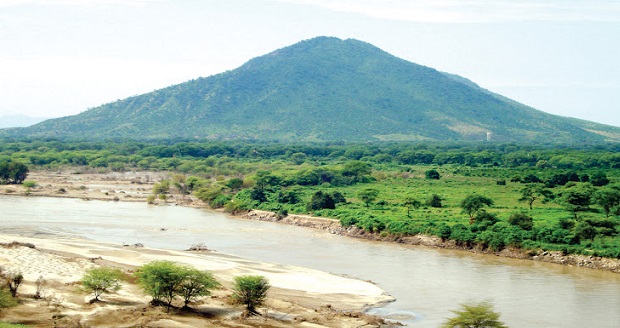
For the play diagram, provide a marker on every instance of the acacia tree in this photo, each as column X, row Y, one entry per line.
column 195, row 283
column 608, row 199
column 534, row 191
column 410, row 203
column 368, row 195
column 476, row 315
column 164, row 280
column 250, row 291
column 102, row 280
column 473, row 203
column 161, row 280
column 577, row 199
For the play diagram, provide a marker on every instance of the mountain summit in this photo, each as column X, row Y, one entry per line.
column 323, row 89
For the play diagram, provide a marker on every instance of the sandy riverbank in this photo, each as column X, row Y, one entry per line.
column 299, row 296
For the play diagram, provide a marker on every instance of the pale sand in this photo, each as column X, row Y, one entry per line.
column 62, row 262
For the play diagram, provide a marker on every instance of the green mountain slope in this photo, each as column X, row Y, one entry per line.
column 318, row 90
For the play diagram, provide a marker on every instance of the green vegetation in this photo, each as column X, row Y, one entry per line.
column 250, row 291
column 323, row 89
column 13, row 280
column 12, row 172
column 567, row 214
column 11, row 325
column 165, row 280
column 6, row 298
column 475, row 315
column 102, row 280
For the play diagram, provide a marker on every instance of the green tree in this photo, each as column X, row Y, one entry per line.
column 12, row 172
column 321, row 200
column 162, row 187
column 234, row 183
column 195, row 283
column 298, row 158
column 161, row 280
column 368, row 195
column 410, row 203
column 338, row 197
column 102, row 280
column 13, row 280
column 434, row 201
column 533, row 191
column 180, row 182
column 250, row 291
column 356, row 169
column 164, row 280
column 577, row 199
column 599, row 179
column 584, row 230
column 608, row 199
column 521, row 220
column 432, row 174
column 476, row 315
column 265, row 179
column 473, row 203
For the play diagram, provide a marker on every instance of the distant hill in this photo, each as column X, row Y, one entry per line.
column 12, row 121
column 323, row 89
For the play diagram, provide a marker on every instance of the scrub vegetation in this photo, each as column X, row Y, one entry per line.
column 481, row 195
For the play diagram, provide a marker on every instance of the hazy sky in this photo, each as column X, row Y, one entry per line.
column 62, row 57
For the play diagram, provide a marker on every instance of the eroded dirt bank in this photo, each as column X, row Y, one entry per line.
column 334, row 227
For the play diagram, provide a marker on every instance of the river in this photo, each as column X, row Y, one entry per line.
column 427, row 283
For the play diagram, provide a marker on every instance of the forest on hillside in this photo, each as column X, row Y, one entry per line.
column 482, row 195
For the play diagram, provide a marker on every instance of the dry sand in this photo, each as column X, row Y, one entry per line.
column 299, row 297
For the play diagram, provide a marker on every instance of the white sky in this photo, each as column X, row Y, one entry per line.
column 62, row 57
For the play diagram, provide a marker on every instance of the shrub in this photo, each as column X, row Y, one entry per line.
column 432, row 174
column 475, row 315
column 371, row 224
column 13, row 280
column 319, row 201
column 29, row 184
column 599, row 179
column 338, row 197
column 6, row 299
column 444, row 231
column 368, row 195
column 521, row 220
column 434, row 201
column 250, row 291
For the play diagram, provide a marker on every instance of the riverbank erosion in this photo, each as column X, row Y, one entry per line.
column 299, row 297
column 334, row 227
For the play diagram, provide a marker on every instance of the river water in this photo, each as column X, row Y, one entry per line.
column 427, row 283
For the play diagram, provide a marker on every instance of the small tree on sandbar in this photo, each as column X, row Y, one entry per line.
column 102, row 280
column 250, row 291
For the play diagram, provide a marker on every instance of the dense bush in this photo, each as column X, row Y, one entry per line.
column 12, row 172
